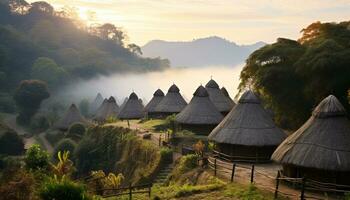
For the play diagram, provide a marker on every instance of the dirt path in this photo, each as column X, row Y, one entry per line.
column 264, row 178
column 46, row 143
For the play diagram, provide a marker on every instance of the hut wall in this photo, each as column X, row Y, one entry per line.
column 324, row 176
column 253, row 154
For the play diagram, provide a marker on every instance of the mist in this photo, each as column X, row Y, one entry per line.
column 144, row 84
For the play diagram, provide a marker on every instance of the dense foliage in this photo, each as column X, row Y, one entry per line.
column 38, row 42
column 36, row 158
column 64, row 145
column 10, row 142
column 294, row 76
column 28, row 97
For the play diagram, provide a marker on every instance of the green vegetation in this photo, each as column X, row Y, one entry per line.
column 28, row 97
column 54, row 46
column 76, row 131
column 54, row 136
column 39, row 123
column 36, row 158
column 62, row 189
column 154, row 124
column 64, row 145
column 10, row 142
column 293, row 76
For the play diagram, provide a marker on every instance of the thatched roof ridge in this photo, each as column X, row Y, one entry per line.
column 173, row 102
column 174, row 89
column 225, row 92
column 158, row 93
column 71, row 116
column 96, row 103
column 222, row 103
column 249, row 97
column 109, row 108
column 323, row 142
column 200, row 110
column 248, row 124
column 156, row 99
column 212, row 84
column 132, row 109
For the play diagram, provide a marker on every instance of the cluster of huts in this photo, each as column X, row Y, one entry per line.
column 245, row 131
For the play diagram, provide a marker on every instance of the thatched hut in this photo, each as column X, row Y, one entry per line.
column 96, row 104
column 200, row 115
column 71, row 116
column 221, row 102
column 247, row 133
column 172, row 103
column 225, row 92
column 320, row 149
column 133, row 108
column 108, row 109
column 150, row 109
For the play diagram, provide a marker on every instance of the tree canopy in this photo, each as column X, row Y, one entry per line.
column 294, row 76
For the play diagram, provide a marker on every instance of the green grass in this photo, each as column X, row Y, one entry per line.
column 153, row 124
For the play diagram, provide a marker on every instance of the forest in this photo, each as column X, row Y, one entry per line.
column 293, row 76
column 39, row 42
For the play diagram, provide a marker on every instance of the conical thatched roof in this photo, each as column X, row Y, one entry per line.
column 96, row 103
column 109, row 108
column 200, row 110
column 224, row 91
column 323, row 142
column 173, row 102
column 133, row 108
column 248, row 124
column 71, row 116
column 222, row 103
column 157, row 98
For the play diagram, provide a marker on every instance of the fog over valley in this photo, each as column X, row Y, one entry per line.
column 144, row 84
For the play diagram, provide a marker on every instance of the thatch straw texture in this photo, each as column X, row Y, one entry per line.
column 157, row 98
column 71, row 116
column 96, row 103
column 323, row 142
column 248, row 124
column 221, row 102
column 225, row 92
column 173, row 102
column 109, row 108
column 200, row 110
column 133, row 108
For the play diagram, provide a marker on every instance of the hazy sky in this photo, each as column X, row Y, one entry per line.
column 242, row 21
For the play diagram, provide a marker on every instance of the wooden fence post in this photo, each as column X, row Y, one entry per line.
column 277, row 184
column 130, row 192
column 233, row 171
column 302, row 189
column 252, row 174
column 149, row 190
column 160, row 140
column 215, row 167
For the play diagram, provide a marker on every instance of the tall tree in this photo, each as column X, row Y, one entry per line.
column 28, row 97
column 294, row 76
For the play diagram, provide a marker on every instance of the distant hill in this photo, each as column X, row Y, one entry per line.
column 211, row 51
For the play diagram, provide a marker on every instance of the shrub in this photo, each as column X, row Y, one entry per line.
column 166, row 154
column 62, row 189
column 39, row 123
column 76, row 130
column 185, row 164
column 36, row 158
column 17, row 185
column 54, row 137
column 64, row 145
column 10, row 142
column 7, row 104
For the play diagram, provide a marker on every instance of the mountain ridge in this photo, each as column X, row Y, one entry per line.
column 209, row 51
